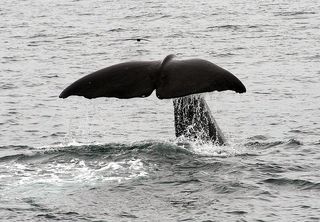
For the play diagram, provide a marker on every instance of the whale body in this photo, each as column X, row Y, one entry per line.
column 172, row 79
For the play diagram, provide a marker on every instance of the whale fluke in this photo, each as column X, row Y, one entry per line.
column 170, row 78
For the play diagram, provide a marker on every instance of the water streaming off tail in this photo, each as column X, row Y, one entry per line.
column 193, row 119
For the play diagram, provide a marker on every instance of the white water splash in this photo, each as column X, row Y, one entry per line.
column 208, row 148
column 72, row 172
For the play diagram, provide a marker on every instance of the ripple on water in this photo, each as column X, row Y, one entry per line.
column 299, row 184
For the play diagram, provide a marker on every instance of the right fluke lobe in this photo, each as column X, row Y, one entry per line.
column 184, row 77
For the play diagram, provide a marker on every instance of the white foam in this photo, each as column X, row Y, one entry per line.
column 67, row 144
column 202, row 148
column 210, row 149
column 75, row 171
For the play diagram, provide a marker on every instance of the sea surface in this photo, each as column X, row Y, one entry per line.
column 109, row 159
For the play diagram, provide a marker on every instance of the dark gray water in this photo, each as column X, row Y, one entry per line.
column 118, row 160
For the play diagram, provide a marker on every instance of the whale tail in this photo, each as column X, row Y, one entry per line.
column 170, row 78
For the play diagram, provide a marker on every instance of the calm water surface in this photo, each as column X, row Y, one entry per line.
column 118, row 160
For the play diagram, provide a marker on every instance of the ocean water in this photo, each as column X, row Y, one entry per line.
column 118, row 160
